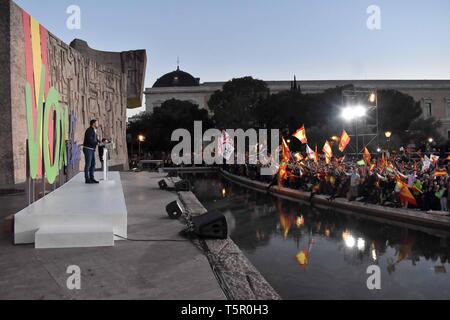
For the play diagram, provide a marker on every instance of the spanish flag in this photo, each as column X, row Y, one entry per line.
column 328, row 152
column 345, row 140
column 442, row 173
column 367, row 156
column 300, row 134
column 282, row 173
column 316, row 156
column 405, row 194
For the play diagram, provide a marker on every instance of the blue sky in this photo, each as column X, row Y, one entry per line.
column 217, row 40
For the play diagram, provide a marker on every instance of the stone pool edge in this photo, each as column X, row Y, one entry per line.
column 237, row 276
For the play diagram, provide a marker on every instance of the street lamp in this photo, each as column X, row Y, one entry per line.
column 388, row 135
column 141, row 139
column 430, row 140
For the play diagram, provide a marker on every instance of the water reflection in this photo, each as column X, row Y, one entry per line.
column 309, row 253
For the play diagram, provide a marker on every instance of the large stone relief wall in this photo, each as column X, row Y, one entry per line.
column 92, row 91
column 77, row 84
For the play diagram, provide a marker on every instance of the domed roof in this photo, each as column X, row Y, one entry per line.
column 177, row 78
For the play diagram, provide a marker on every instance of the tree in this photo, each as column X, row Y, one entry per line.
column 420, row 130
column 234, row 106
column 396, row 112
column 158, row 126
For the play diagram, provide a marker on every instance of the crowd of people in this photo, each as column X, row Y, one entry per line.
column 419, row 182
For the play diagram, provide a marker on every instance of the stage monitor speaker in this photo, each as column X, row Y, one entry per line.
column 163, row 184
column 211, row 225
column 172, row 174
column 183, row 185
column 174, row 210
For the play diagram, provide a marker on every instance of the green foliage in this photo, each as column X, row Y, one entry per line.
column 158, row 126
column 422, row 129
column 397, row 111
column 234, row 106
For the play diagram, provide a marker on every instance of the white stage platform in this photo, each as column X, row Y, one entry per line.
column 75, row 215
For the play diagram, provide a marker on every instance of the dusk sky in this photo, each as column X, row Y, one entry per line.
column 267, row 39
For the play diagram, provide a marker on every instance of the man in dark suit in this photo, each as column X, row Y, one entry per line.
column 89, row 145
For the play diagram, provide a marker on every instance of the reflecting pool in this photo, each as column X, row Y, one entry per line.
column 307, row 253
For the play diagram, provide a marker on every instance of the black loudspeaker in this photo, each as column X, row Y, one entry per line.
column 183, row 185
column 174, row 210
column 163, row 184
column 172, row 174
column 211, row 225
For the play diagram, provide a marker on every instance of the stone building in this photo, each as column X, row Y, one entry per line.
column 434, row 95
column 36, row 67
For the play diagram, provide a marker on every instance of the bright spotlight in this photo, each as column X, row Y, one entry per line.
column 360, row 111
column 348, row 114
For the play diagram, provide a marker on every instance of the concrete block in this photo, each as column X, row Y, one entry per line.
column 74, row 237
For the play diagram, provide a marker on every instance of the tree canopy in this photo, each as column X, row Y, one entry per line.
column 235, row 105
column 158, row 126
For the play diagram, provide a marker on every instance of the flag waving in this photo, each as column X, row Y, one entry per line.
column 345, row 140
column 316, row 156
column 367, row 156
column 311, row 154
column 328, row 152
column 300, row 134
column 434, row 159
column 405, row 195
column 285, row 151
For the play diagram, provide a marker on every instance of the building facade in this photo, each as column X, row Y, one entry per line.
column 49, row 92
column 433, row 95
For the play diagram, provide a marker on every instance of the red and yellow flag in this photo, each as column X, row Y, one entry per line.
column 405, row 194
column 316, row 156
column 367, row 156
column 440, row 173
column 286, row 153
column 300, row 134
column 345, row 140
column 328, row 152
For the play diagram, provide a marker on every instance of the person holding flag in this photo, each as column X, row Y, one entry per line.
column 328, row 152
column 300, row 134
column 345, row 140
column 367, row 156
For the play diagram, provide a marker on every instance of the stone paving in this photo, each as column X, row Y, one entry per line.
column 129, row 270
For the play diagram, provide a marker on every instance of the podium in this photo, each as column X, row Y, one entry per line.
column 105, row 168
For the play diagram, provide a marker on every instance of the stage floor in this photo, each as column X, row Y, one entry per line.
column 76, row 205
